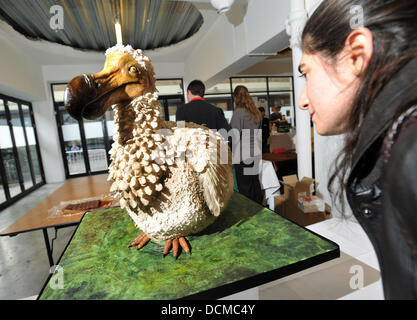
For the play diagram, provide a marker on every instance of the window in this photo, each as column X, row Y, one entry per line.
column 281, row 94
column 265, row 91
column 20, row 162
column 220, row 96
column 171, row 96
column 84, row 144
column 254, row 84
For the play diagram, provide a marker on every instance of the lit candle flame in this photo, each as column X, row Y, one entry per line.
column 118, row 28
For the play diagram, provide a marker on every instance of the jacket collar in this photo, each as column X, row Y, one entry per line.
column 384, row 108
column 197, row 98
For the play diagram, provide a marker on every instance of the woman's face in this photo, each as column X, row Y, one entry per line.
column 328, row 93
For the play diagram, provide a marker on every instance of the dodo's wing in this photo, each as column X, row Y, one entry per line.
column 212, row 160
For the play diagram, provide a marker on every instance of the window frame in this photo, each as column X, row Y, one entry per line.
column 24, row 191
column 268, row 91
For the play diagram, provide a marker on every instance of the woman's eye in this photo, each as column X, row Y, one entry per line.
column 303, row 75
column 133, row 69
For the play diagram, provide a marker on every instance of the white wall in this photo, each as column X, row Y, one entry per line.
column 19, row 76
column 325, row 153
column 224, row 49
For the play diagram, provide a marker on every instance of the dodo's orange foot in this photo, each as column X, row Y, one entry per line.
column 175, row 244
column 140, row 241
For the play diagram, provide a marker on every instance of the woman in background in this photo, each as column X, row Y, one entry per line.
column 363, row 55
column 247, row 145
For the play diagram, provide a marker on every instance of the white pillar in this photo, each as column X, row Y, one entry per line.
column 295, row 24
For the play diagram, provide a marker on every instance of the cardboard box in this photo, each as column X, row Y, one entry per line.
column 286, row 204
column 310, row 203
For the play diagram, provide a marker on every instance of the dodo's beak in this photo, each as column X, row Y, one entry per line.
column 80, row 98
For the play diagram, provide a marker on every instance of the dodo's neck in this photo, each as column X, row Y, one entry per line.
column 139, row 117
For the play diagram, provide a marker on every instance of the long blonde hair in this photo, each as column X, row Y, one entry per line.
column 243, row 100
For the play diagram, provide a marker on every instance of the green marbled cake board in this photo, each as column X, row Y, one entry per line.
column 247, row 240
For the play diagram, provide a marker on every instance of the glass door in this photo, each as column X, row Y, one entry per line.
column 3, row 197
column 20, row 161
column 71, row 143
column 9, row 157
column 96, row 147
column 21, row 143
column 31, row 142
column 173, row 104
column 85, row 144
column 169, row 106
column 171, row 96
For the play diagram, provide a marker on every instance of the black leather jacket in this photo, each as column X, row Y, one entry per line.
column 383, row 196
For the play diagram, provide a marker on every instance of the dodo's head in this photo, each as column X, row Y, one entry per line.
column 127, row 74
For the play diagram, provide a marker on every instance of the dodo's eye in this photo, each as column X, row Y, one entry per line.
column 133, row 69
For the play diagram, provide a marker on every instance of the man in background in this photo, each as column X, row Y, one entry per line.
column 199, row 111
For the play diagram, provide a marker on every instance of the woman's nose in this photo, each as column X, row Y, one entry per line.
column 303, row 102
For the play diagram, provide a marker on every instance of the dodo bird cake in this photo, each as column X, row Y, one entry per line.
column 173, row 179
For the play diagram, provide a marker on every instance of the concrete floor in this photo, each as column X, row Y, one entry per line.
column 24, row 265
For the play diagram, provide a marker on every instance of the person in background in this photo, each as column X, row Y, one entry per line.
column 368, row 74
column 74, row 147
column 199, row 111
column 247, row 117
column 276, row 115
column 265, row 131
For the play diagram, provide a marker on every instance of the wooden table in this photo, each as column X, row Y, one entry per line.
column 278, row 157
column 38, row 217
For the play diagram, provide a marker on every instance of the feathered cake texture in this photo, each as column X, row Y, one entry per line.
column 170, row 178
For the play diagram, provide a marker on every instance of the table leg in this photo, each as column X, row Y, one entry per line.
column 48, row 247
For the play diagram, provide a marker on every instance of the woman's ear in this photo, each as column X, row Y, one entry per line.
column 359, row 49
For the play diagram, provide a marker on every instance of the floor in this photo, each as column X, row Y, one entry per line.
column 24, row 265
column 353, row 276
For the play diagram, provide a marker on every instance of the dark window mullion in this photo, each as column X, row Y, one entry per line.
column 85, row 147
column 231, row 93
column 15, row 153
column 4, row 179
column 32, row 172
column 106, row 139
column 58, row 117
column 61, row 140
column 268, row 95
column 38, row 150
column 293, row 101
column 166, row 110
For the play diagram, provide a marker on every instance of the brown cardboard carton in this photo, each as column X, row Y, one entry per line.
column 286, row 204
column 310, row 203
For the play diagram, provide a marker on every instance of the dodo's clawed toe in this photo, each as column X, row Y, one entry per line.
column 175, row 244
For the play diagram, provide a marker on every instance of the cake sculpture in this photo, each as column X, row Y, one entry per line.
column 173, row 179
